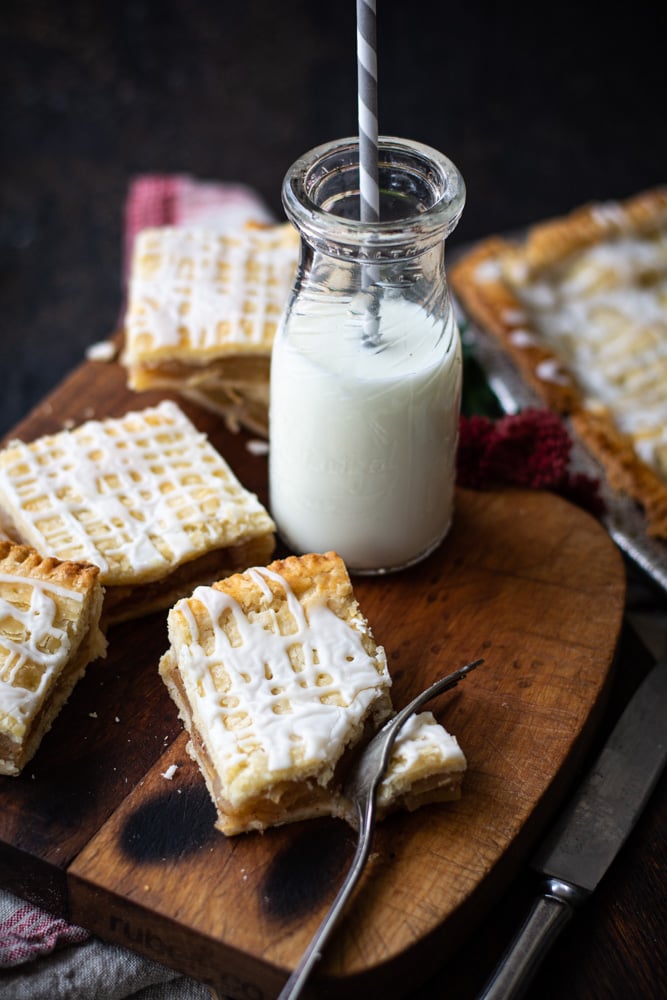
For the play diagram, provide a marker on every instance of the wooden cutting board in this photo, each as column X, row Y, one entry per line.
column 102, row 828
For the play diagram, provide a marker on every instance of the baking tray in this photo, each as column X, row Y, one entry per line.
column 623, row 518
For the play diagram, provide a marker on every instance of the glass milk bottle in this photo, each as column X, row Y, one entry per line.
column 366, row 365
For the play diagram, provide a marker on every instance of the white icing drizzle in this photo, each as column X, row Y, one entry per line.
column 197, row 288
column 423, row 749
column 276, row 707
column 488, row 270
column 609, row 213
column 128, row 494
column 550, row 371
column 603, row 311
column 29, row 637
column 422, row 735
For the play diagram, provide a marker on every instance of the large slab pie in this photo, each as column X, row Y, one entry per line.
column 203, row 309
column 49, row 633
column 278, row 678
column 580, row 305
column 144, row 497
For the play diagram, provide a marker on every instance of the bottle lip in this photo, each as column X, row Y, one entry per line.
column 305, row 185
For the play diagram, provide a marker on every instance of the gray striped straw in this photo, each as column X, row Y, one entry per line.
column 367, row 79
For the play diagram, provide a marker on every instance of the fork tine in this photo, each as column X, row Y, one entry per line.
column 374, row 759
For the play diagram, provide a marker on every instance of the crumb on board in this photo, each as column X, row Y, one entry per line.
column 105, row 350
column 257, row 447
column 170, row 772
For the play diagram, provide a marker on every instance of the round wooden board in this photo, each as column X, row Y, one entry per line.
column 525, row 580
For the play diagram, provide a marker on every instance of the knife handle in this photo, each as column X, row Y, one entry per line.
column 550, row 913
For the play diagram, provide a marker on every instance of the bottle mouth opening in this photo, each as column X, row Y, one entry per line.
column 422, row 193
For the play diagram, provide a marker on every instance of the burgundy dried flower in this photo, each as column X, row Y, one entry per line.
column 530, row 449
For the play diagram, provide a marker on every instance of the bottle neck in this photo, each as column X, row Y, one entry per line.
column 419, row 278
column 421, row 199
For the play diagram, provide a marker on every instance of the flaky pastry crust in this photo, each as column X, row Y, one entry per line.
column 49, row 633
column 279, row 682
column 203, row 310
column 145, row 497
column 578, row 306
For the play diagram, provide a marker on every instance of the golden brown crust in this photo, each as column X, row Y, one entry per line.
column 49, row 632
column 552, row 241
column 331, row 688
column 26, row 561
column 493, row 283
column 479, row 283
column 248, row 265
column 311, row 577
column 625, row 473
column 175, row 339
column 278, row 630
column 125, row 603
column 145, row 497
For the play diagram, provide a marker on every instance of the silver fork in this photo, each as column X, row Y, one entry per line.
column 361, row 787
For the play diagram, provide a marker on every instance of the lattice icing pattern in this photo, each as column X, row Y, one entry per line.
column 136, row 495
column 278, row 679
column 604, row 312
column 579, row 304
column 34, row 643
column 49, row 618
column 197, row 293
column 280, row 691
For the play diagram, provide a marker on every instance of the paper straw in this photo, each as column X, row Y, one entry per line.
column 367, row 79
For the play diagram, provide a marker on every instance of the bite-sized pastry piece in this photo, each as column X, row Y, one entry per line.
column 202, row 313
column 49, row 633
column 277, row 677
column 145, row 497
column 580, row 306
column 427, row 765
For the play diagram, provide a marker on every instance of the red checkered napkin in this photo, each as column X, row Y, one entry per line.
column 180, row 200
column 28, row 932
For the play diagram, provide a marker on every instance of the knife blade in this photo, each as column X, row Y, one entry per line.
column 590, row 832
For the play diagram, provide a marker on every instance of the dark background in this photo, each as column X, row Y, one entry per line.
column 541, row 106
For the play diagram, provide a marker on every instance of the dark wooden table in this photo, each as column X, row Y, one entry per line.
column 541, row 107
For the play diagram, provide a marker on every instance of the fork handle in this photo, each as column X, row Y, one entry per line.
column 313, row 952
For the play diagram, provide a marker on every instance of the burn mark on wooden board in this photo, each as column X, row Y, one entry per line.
column 309, row 870
column 169, row 825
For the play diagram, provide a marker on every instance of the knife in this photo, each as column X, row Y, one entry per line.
column 590, row 832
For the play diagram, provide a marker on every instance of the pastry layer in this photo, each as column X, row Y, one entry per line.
column 427, row 765
column 49, row 632
column 202, row 313
column 276, row 675
column 280, row 683
column 581, row 307
column 144, row 497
